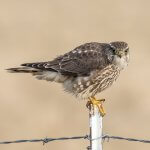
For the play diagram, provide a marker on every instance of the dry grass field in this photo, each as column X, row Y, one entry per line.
column 35, row 30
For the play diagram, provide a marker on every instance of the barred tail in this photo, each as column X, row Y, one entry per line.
column 22, row 70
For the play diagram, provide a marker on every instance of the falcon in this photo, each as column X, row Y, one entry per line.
column 85, row 71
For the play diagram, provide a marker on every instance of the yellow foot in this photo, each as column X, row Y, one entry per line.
column 98, row 103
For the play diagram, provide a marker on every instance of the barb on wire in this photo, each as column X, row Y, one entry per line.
column 104, row 137
column 124, row 138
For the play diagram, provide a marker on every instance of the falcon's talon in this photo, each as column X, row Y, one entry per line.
column 98, row 103
column 102, row 100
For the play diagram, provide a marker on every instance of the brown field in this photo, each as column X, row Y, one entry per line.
column 34, row 30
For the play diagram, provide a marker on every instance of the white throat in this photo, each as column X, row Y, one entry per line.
column 122, row 62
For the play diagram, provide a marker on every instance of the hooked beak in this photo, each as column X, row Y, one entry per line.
column 120, row 53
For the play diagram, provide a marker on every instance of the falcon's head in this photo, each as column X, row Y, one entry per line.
column 120, row 53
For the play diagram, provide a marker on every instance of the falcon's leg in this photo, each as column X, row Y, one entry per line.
column 98, row 103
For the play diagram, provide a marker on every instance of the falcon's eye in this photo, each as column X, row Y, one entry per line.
column 126, row 50
column 113, row 49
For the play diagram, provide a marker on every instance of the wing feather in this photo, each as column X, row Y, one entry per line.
column 80, row 61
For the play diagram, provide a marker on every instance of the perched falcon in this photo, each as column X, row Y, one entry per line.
column 84, row 71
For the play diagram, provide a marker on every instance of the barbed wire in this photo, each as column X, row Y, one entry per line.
column 46, row 140
column 127, row 139
column 104, row 137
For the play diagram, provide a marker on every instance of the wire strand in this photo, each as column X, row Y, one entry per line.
column 45, row 140
column 104, row 137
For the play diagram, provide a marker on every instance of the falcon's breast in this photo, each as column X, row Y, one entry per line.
column 96, row 82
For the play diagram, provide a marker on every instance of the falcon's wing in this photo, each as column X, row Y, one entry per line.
column 80, row 61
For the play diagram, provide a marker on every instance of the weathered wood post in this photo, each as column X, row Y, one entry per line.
column 95, row 120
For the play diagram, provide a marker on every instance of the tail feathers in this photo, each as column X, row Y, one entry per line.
column 39, row 74
column 22, row 70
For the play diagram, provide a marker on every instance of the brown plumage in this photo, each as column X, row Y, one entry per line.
column 84, row 71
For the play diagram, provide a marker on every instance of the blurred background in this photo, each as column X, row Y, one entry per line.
column 35, row 30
